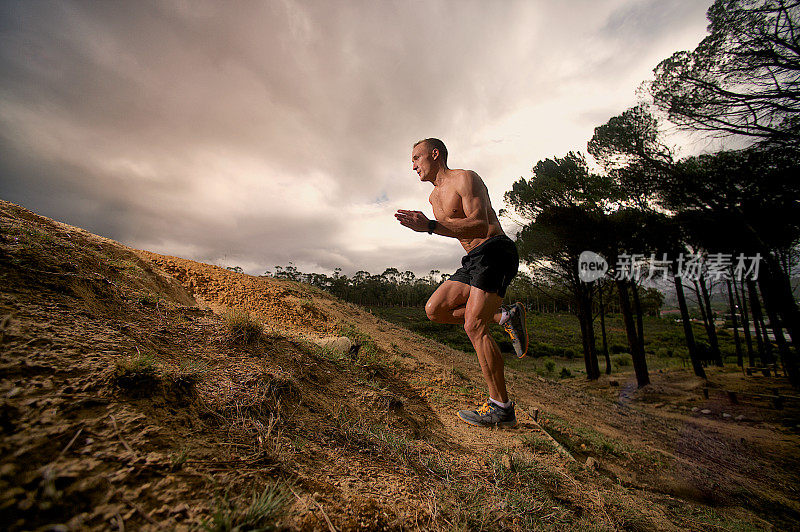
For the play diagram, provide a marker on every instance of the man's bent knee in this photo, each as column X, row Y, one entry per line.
column 430, row 310
column 435, row 310
column 475, row 327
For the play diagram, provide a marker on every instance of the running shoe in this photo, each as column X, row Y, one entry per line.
column 490, row 414
column 516, row 329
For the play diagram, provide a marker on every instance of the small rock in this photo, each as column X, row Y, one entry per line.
column 726, row 416
column 181, row 508
column 14, row 392
column 695, row 409
column 705, row 411
column 13, row 493
column 164, row 510
column 591, row 463
column 340, row 345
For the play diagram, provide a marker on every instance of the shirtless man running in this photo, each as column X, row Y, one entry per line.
column 473, row 295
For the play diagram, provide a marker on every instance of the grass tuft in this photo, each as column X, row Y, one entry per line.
column 262, row 513
column 242, row 328
column 136, row 371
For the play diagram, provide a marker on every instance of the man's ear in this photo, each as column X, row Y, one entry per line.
column 435, row 154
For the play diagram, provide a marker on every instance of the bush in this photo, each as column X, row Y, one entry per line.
column 565, row 373
column 664, row 352
column 262, row 512
column 569, row 353
column 618, row 348
column 136, row 372
column 543, row 349
column 242, row 328
column 622, row 360
column 549, row 365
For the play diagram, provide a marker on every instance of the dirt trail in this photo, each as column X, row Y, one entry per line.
column 91, row 440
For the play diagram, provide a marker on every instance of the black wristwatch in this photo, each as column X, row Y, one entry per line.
column 431, row 226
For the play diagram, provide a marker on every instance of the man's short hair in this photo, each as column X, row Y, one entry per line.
column 435, row 144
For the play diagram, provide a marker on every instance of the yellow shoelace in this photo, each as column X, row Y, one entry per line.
column 484, row 408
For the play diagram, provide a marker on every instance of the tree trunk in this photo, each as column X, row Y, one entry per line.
column 687, row 329
column 603, row 331
column 639, row 362
column 739, row 357
column 708, row 318
column 764, row 346
column 745, row 323
column 639, row 319
column 712, row 331
column 587, row 333
column 787, row 358
column 783, row 298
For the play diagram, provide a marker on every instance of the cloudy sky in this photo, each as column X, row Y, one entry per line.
column 258, row 133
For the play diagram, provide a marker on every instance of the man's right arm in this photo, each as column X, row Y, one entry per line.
column 474, row 203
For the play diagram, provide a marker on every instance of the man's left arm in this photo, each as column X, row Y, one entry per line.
column 474, row 204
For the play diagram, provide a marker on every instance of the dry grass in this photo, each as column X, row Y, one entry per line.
column 242, row 328
column 137, row 371
column 262, row 512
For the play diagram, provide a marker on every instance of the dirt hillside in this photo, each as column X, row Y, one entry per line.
column 130, row 403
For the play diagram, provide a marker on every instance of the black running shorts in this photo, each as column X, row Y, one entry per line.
column 489, row 266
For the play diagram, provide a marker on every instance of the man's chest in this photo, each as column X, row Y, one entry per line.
column 446, row 203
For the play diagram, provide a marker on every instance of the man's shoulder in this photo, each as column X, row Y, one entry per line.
column 462, row 176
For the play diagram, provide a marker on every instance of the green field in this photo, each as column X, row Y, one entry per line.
column 555, row 340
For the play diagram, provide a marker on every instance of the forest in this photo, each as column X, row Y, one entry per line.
column 733, row 215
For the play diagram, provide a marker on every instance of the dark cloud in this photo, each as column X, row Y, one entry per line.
column 263, row 131
column 645, row 21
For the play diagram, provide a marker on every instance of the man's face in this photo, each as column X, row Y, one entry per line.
column 422, row 161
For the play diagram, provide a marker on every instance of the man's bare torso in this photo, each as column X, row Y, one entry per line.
column 447, row 204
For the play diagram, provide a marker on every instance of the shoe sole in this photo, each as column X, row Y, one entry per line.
column 524, row 324
column 498, row 425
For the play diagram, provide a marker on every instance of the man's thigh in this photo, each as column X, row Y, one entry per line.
column 482, row 304
column 449, row 295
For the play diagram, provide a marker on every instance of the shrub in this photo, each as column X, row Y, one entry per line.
column 682, row 352
column 549, row 365
column 458, row 372
column 664, row 352
column 188, row 374
column 369, row 353
column 147, row 299
column 136, row 371
column 565, row 373
column 569, row 353
column 543, row 349
column 622, row 360
column 618, row 348
column 242, row 328
column 261, row 514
